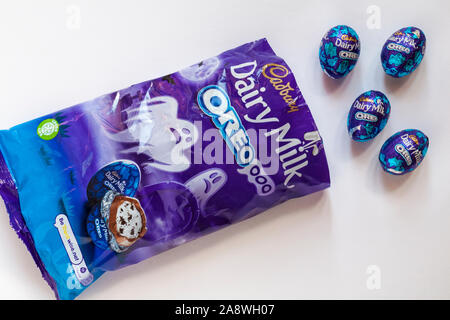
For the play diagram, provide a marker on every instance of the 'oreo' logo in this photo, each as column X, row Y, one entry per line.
column 366, row 116
column 401, row 150
column 215, row 103
column 348, row 55
column 398, row 47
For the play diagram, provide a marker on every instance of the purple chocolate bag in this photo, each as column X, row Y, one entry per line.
column 116, row 180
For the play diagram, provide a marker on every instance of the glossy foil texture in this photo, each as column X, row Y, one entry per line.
column 368, row 115
column 339, row 51
column 403, row 151
column 403, row 51
column 156, row 142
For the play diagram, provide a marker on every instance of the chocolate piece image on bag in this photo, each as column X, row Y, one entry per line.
column 121, row 178
column 125, row 220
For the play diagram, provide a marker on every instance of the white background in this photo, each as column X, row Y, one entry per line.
column 320, row 246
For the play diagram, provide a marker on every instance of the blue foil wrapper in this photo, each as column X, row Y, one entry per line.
column 97, row 227
column 403, row 51
column 368, row 115
column 122, row 176
column 403, row 151
column 339, row 51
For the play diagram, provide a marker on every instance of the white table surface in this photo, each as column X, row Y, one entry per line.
column 367, row 226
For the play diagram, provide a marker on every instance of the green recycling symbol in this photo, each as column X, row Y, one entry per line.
column 48, row 129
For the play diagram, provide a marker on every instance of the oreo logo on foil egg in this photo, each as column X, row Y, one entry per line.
column 398, row 47
column 366, row 116
column 401, row 150
column 348, row 55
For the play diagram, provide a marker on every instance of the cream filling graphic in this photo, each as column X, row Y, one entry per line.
column 128, row 220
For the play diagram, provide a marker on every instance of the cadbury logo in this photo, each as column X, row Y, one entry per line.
column 348, row 38
column 276, row 73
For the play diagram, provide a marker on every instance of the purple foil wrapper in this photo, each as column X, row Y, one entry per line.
column 403, row 51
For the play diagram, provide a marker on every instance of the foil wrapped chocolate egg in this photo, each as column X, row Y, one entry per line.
column 404, row 151
column 116, row 222
column 403, row 51
column 121, row 176
column 368, row 115
column 339, row 51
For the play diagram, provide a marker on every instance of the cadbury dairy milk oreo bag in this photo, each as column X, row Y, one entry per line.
column 110, row 182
